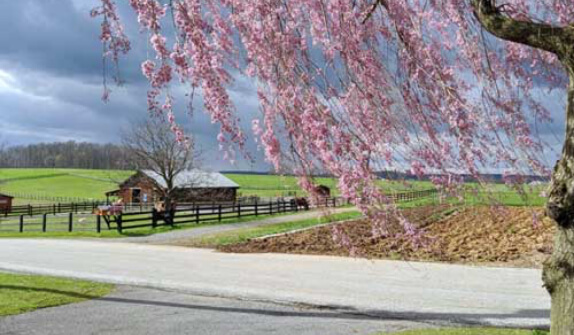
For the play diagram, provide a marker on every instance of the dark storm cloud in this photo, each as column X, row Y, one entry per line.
column 58, row 37
column 51, row 75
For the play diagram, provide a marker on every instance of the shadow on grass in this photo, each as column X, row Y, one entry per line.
column 326, row 312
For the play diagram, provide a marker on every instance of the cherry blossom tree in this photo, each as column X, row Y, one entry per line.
column 443, row 86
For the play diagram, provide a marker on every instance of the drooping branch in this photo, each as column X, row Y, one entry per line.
column 558, row 40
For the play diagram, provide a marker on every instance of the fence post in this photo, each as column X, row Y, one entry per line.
column 44, row 222
column 153, row 218
column 21, row 226
column 70, row 222
column 59, row 210
column 119, row 223
column 270, row 207
column 239, row 209
column 99, row 223
column 54, row 209
column 197, row 215
column 219, row 216
column 29, row 209
column 256, row 207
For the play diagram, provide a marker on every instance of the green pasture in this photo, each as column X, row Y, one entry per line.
column 37, row 186
column 277, row 185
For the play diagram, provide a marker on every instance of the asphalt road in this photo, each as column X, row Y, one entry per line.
column 140, row 311
column 422, row 292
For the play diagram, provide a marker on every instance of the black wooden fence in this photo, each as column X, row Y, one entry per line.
column 30, row 210
column 413, row 195
column 197, row 214
column 188, row 214
column 89, row 206
column 51, row 198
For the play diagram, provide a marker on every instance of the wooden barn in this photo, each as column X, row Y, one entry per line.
column 5, row 203
column 190, row 186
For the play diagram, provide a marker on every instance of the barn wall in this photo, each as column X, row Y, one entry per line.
column 142, row 182
column 186, row 195
column 5, row 204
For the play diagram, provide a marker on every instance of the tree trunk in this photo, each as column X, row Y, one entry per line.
column 558, row 277
column 168, row 202
column 558, row 273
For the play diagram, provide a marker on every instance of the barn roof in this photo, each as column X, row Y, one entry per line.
column 195, row 178
column 2, row 195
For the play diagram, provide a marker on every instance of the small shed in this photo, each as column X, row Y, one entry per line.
column 5, row 203
column 190, row 186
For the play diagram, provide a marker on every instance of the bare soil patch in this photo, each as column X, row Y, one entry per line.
column 506, row 236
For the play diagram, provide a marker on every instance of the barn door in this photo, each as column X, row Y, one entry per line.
column 136, row 195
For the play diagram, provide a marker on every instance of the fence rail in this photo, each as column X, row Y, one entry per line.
column 412, row 195
column 189, row 214
column 89, row 206
column 31, row 210
column 51, row 198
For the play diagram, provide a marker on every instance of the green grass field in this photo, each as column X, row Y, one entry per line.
column 37, row 186
column 275, row 185
column 24, row 293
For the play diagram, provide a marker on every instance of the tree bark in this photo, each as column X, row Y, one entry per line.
column 558, row 272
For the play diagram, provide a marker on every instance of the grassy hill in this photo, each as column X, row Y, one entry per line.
column 58, row 185
column 69, row 185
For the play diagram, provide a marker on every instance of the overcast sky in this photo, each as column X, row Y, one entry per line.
column 51, row 81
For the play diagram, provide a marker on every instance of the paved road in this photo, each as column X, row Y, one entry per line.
column 414, row 291
column 187, row 234
column 133, row 310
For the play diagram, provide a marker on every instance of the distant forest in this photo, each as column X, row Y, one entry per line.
column 70, row 154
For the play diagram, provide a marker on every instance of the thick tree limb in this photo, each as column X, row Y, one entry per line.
column 558, row 40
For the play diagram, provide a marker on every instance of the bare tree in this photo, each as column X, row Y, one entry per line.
column 152, row 145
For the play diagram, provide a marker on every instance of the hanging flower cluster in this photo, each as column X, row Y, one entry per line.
column 359, row 86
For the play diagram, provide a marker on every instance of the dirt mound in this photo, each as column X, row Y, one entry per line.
column 507, row 235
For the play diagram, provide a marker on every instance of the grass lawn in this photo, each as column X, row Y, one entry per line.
column 242, row 235
column 25, row 293
column 470, row 331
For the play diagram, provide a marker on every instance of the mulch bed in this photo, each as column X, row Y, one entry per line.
column 505, row 236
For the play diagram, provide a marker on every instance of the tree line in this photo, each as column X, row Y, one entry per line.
column 71, row 154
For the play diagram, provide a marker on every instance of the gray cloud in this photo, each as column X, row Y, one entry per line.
column 51, row 81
